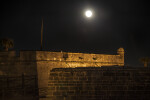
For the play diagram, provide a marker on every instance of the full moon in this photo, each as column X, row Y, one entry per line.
column 88, row 13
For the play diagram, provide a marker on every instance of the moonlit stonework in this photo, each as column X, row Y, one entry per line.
column 88, row 13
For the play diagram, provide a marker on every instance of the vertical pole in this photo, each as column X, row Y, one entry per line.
column 42, row 35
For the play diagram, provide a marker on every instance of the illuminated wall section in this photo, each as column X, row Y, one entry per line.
column 46, row 61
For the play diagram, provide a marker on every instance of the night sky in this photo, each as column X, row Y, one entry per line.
column 115, row 24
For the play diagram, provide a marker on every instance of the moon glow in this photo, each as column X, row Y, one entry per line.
column 88, row 13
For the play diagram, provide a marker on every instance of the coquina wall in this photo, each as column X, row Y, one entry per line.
column 12, row 65
column 41, row 63
column 46, row 61
column 77, row 76
column 95, row 83
column 27, row 62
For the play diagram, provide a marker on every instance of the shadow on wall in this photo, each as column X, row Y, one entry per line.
column 13, row 65
column 18, row 87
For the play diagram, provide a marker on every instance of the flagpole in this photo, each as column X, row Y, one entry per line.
column 42, row 35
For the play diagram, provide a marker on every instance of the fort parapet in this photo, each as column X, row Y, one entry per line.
column 41, row 63
column 31, row 60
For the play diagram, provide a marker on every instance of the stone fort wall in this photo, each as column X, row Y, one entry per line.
column 27, row 62
column 41, row 63
column 78, row 76
column 12, row 65
column 46, row 61
column 94, row 83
